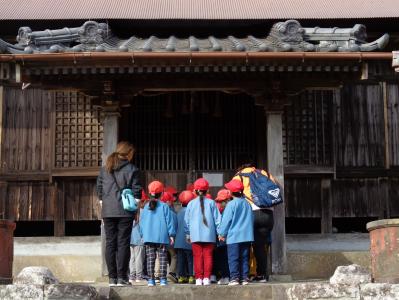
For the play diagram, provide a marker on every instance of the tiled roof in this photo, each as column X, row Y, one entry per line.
column 196, row 9
column 282, row 37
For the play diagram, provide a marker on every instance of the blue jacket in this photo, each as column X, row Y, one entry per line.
column 237, row 224
column 181, row 242
column 135, row 238
column 156, row 226
column 195, row 227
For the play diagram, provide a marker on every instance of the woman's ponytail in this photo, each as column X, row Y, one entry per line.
column 201, row 197
column 112, row 162
column 124, row 151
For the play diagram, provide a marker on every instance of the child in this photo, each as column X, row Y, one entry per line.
column 184, row 251
column 158, row 231
column 236, row 228
column 137, row 250
column 168, row 198
column 221, row 264
column 202, row 218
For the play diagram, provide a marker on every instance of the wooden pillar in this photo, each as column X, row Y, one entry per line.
column 110, row 140
column 275, row 165
column 1, row 124
column 57, row 196
column 326, row 205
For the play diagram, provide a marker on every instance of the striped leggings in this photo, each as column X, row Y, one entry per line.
column 151, row 251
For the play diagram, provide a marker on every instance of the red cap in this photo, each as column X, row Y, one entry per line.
column 144, row 196
column 190, row 187
column 201, row 184
column 171, row 189
column 167, row 197
column 155, row 187
column 234, row 185
column 185, row 197
column 223, row 195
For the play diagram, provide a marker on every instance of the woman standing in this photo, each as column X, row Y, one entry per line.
column 118, row 173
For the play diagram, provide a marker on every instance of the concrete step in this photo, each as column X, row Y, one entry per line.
column 78, row 259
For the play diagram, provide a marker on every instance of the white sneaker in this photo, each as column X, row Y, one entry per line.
column 206, row 281
column 198, row 281
column 213, row 279
column 234, row 282
column 224, row 281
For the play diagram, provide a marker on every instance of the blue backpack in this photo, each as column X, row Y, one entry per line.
column 264, row 192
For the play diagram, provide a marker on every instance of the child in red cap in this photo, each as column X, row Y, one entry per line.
column 237, row 229
column 221, row 265
column 169, row 199
column 158, row 230
column 202, row 218
column 183, row 248
column 137, row 249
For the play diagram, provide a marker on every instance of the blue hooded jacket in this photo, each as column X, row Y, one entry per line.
column 156, row 226
column 195, row 227
column 181, row 242
column 135, row 238
column 237, row 224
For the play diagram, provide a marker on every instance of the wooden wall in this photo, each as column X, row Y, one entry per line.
column 364, row 178
column 360, row 180
column 29, row 188
column 26, row 131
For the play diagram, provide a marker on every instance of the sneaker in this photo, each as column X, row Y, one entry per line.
column 206, row 281
column 163, row 282
column 234, row 282
column 260, row 279
column 191, row 280
column 213, row 279
column 182, row 280
column 113, row 282
column 157, row 279
column 173, row 277
column 151, row 282
column 123, row 282
column 224, row 281
column 198, row 281
column 139, row 280
column 245, row 282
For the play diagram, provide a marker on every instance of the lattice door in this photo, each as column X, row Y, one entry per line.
column 307, row 131
column 78, row 131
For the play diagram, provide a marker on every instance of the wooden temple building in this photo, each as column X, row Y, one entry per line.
column 302, row 88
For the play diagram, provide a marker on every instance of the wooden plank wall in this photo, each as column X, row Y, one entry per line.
column 359, row 126
column 26, row 192
column 366, row 162
column 26, row 131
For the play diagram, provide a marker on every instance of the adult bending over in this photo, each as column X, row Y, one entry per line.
column 263, row 222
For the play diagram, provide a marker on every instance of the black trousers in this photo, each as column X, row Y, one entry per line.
column 263, row 225
column 117, row 246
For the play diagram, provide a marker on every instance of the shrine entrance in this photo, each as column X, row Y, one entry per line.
column 182, row 135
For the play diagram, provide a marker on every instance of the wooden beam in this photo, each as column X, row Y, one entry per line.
column 276, row 168
column 308, row 170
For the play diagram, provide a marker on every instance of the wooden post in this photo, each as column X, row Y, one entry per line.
column 275, row 165
column 326, row 206
column 57, row 195
column 110, row 140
